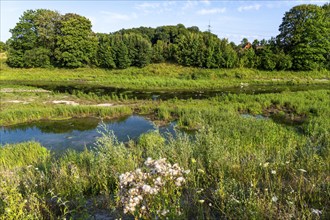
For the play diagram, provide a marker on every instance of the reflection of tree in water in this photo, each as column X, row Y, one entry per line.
column 64, row 126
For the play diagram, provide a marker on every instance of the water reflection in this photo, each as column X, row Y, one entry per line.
column 78, row 132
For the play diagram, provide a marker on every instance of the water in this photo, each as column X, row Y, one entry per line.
column 166, row 95
column 258, row 117
column 79, row 132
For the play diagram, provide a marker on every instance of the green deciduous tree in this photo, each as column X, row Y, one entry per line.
column 3, row 46
column 33, row 36
column 76, row 44
column 305, row 35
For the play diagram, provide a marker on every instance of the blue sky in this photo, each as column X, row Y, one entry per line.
column 228, row 19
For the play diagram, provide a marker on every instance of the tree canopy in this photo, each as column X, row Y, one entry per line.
column 45, row 38
column 305, row 36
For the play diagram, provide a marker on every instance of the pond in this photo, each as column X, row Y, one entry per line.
column 77, row 133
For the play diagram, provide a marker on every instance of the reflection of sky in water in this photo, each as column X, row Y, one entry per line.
column 130, row 128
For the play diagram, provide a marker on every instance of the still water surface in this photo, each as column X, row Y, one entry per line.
column 78, row 132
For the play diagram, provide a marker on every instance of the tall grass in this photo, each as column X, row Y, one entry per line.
column 240, row 167
column 159, row 77
column 25, row 113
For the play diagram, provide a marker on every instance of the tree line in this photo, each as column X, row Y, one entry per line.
column 44, row 38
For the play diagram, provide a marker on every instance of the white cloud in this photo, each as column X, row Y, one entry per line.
column 211, row 11
column 111, row 17
column 189, row 4
column 206, row 2
column 249, row 7
column 148, row 5
column 155, row 7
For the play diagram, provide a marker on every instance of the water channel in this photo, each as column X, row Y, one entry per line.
column 80, row 132
column 64, row 87
column 77, row 133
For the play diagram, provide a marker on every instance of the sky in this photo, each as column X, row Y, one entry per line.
column 233, row 20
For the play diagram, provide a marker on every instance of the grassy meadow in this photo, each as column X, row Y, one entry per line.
column 261, row 156
column 155, row 77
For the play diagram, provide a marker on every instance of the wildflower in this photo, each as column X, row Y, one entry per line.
column 193, row 160
column 186, row 171
column 199, row 191
column 164, row 212
column 201, row 201
column 316, row 211
column 200, row 171
column 210, row 204
column 158, row 181
column 266, row 164
column 273, row 172
column 302, row 170
column 139, row 185
column 274, row 198
column 179, row 181
column 146, row 188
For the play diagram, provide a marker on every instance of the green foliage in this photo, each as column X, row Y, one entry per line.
column 3, row 47
column 304, row 34
column 76, row 44
column 247, row 58
column 30, row 153
column 37, row 57
column 105, row 57
column 44, row 38
column 33, row 39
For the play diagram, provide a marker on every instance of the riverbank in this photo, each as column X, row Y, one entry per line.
column 158, row 77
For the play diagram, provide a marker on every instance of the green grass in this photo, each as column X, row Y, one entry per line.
column 158, row 77
column 32, row 112
column 25, row 154
column 240, row 167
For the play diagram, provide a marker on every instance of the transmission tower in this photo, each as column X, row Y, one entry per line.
column 209, row 27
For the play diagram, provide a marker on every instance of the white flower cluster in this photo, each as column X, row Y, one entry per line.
column 137, row 185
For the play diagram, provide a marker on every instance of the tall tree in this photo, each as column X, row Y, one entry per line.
column 24, row 37
column 76, row 44
column 305, row 35
column 105, row 55
column 33, row 39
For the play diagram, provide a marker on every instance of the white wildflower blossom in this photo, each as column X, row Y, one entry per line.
column 316, row 211
column 274, row 199
column 273, row 172
column 164, row 212
column 146, row 188
column 179, row 181
column 302, row 170
column 137, row 186
column 266, row 164
column 186, row 171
